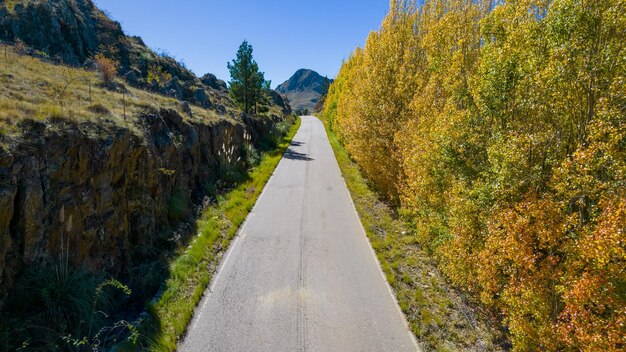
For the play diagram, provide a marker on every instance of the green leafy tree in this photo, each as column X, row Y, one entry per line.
column 247, row 85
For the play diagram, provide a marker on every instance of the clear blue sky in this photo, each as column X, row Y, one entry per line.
column 286, row 34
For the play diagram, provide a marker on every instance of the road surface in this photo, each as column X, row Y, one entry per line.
column 301, row 275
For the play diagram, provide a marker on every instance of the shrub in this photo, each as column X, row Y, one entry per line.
column 250, row 155
column 62, row 88
column 107, row 68
column 273, row 138
column 230, row 173
column 157, row 75
column 177, row 206
column 57, row 307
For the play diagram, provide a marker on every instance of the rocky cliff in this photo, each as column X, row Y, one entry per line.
column 109, row 195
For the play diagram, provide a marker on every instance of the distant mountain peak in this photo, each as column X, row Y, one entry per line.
column 304, row 89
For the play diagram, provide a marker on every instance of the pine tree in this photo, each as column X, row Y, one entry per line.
column 247, row 85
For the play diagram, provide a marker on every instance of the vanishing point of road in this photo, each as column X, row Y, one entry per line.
column 300, row 275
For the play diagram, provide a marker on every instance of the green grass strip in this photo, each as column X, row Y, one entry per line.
column 170, row 315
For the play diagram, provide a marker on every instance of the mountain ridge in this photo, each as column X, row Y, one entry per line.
column 304, row 89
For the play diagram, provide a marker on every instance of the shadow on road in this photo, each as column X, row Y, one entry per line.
column 293, row 155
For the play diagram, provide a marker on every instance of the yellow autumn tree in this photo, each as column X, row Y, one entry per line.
column 376, row 97
column 499, row 129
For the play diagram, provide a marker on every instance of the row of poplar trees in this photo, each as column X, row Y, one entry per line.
column 499, row 129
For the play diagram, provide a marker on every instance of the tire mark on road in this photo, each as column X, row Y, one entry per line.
column 301, row 293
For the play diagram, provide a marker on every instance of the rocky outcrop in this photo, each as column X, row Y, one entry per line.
column 278, row 100
column 210, row 80
column 70, row 30
column 107, row 194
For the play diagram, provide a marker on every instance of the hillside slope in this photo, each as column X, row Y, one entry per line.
column 304, row 89
column 74, row 31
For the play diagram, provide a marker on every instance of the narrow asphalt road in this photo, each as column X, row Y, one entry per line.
column 301, row 275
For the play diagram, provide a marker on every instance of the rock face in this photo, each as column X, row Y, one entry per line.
column 304, row 89
column 71, row 30
column 210, row 80
column 278, row 100
column 201, row 98
column 109, row 201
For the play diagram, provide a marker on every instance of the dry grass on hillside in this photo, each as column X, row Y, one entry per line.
column 33, row 89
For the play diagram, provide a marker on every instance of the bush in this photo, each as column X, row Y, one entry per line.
column 57, row 307
column 157, row 75
column 230, row 173
column 250, row 155
column 107, row 68
column 273, row 138
column 178, row 206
